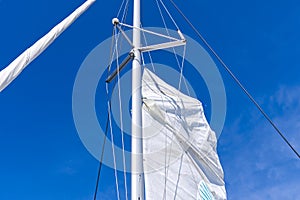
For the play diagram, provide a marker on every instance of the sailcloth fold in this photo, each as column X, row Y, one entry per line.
column 179, row 147
column 8, row 74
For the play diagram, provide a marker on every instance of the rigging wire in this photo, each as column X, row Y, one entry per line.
column 121, row 120
column 121, row 6
column 123, row 19
column 235, row 79
column 110, row 121
column 107, row 122
column 117, row 36
column 181, row 71
column 125, row 12
column 112, row 53
column 167, row 158
column 149, row 53
column 113, row 151
column 174, row 51
column 162, row 3
column 101, row 159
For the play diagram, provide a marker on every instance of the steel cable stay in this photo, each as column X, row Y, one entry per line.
column 107, row 120
column 167, row 158
column 266, row 116
column 180, row 66
column 149, row 53
column 115, row 36
column 101, row 159
column 121, row 6
column 113, row 151
column 121, row 122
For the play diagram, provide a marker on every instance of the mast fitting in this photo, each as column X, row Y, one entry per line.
column 115, row 21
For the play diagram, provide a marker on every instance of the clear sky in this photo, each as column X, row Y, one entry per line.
column 42, row 156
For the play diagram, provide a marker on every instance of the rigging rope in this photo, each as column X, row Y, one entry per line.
column 107, row 121
column 123, row 19
column 113, row 150
column 109, row 117
column 121, row 120
column 181, row 71
column 125, row 12
column 149, row 53
column 162, row 3
column 174, row 51
column 101, row 159
column 121, row 6
column 235, row 78
column 113, row 51
column 167, row 159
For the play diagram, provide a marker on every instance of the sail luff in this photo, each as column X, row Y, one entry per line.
column 8, row 74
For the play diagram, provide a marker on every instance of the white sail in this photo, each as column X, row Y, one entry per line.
column 179, row 147
column 8, row 74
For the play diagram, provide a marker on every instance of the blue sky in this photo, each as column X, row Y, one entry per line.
column 41, row 154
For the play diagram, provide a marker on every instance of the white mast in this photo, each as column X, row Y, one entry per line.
column 137, row 177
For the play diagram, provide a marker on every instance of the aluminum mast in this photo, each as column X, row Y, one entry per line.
column 137, row 176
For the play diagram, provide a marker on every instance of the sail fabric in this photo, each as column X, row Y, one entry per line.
column 8, row 74
column 179, row 147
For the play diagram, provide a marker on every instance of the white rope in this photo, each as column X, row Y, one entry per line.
column 120, row 8
column 174, row 50
column 168, row 158
column 115, row 52
column 181, row 71
column 169, row 14
column 113, row 151
column 110, row 123
column 125, row 11
column 162, row 17
column 149, row 54
column 121, row 122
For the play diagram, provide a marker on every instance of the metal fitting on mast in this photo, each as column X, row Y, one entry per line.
column 115, row 21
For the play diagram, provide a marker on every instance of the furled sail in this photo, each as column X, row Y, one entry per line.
column 8, row 74
column 179, row 147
